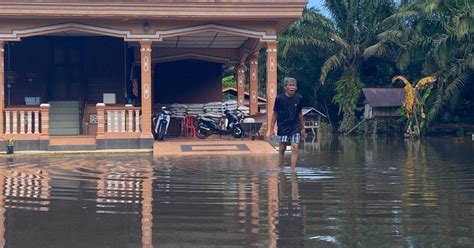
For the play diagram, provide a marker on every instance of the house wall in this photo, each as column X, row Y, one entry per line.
column 28, row 62
column 187, row 81
column 32, row 61
column 106, row 70
column 385, row 112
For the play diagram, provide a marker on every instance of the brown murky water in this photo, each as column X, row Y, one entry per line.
column 345, row 193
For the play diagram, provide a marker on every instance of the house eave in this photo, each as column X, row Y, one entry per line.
column 179, row 11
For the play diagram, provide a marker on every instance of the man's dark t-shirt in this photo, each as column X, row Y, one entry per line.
column 288, row 109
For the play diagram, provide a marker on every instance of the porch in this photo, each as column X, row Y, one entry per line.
column 118, row 127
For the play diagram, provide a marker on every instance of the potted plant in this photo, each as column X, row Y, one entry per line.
column 10, row 145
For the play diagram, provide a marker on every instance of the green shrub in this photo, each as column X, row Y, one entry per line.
column 447, row 117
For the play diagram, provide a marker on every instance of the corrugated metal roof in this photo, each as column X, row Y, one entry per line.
column 233, row 91
column 307, row 110
column 384, row 97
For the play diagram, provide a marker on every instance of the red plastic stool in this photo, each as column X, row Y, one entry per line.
column 189, row 126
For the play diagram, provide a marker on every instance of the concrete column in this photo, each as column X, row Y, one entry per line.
column 240, row 84
column 2, row 85
column 147, row 101
column 254, row 84
column 272, row 70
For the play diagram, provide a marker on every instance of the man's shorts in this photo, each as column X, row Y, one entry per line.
column 289, row 139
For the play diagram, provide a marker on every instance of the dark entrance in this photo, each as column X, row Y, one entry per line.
column 67, row 69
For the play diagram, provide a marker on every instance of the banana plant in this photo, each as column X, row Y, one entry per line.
column 415, row 99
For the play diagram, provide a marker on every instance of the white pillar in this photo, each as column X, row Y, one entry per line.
column 30, row 119
column 36, row 122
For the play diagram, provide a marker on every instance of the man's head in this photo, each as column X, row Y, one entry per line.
column 290, row 86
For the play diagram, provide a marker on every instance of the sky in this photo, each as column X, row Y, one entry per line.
column 315, row 3
column 319, row 5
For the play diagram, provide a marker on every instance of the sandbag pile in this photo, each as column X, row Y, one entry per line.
column 244, row 109
column 195, row 109
column 229, row 105
column 179, row 110
column 213, row 109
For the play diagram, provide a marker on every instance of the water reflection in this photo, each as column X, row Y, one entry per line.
column 290, row 213
column 345, row 193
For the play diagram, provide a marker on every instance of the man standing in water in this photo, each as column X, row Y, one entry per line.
column 289, row 118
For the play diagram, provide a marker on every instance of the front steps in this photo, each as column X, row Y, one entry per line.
column 64, row 118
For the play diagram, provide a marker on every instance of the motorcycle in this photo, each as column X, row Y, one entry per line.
column 161, row 123
column 207, row 125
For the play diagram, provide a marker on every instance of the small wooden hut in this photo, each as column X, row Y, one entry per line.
column 312, row 118
column 382, row 104
column 232, row 92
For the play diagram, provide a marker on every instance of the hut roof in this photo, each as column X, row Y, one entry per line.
column 307, row 110
column 384, row 97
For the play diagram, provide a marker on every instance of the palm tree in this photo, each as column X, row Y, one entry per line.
column 438, row 35
column 305, row 64
column 352, row 29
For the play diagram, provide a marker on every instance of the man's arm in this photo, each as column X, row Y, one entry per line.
column 271, row 127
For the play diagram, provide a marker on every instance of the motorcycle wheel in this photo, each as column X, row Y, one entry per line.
column 237, row 132
column 202, row 133
column 161, row 132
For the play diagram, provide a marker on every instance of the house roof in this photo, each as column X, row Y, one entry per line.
column 233, row 91
column 282, row 12
column 307, row 110
column 384, row 97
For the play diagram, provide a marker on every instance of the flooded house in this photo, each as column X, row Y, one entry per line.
column 86, row 75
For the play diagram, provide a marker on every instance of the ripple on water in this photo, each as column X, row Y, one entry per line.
column 382, row 194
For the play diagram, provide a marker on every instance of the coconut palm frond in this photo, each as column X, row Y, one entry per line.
column 331, row 64
column 400, row 16
column 392, row 35
column 339, row 41
column 451, row 91
column 339, row 11
column 377, row 50
column 425, row 82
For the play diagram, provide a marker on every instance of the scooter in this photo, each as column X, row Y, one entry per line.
column 207, row 126
column 161, row 123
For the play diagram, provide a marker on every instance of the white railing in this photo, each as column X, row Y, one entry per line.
column 122, row 119
column 22, row 120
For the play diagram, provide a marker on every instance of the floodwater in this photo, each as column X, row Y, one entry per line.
column 345, row 192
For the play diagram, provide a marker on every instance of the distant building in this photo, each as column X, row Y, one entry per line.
column 383, row 103
column 229, row 93
column 312, row 118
